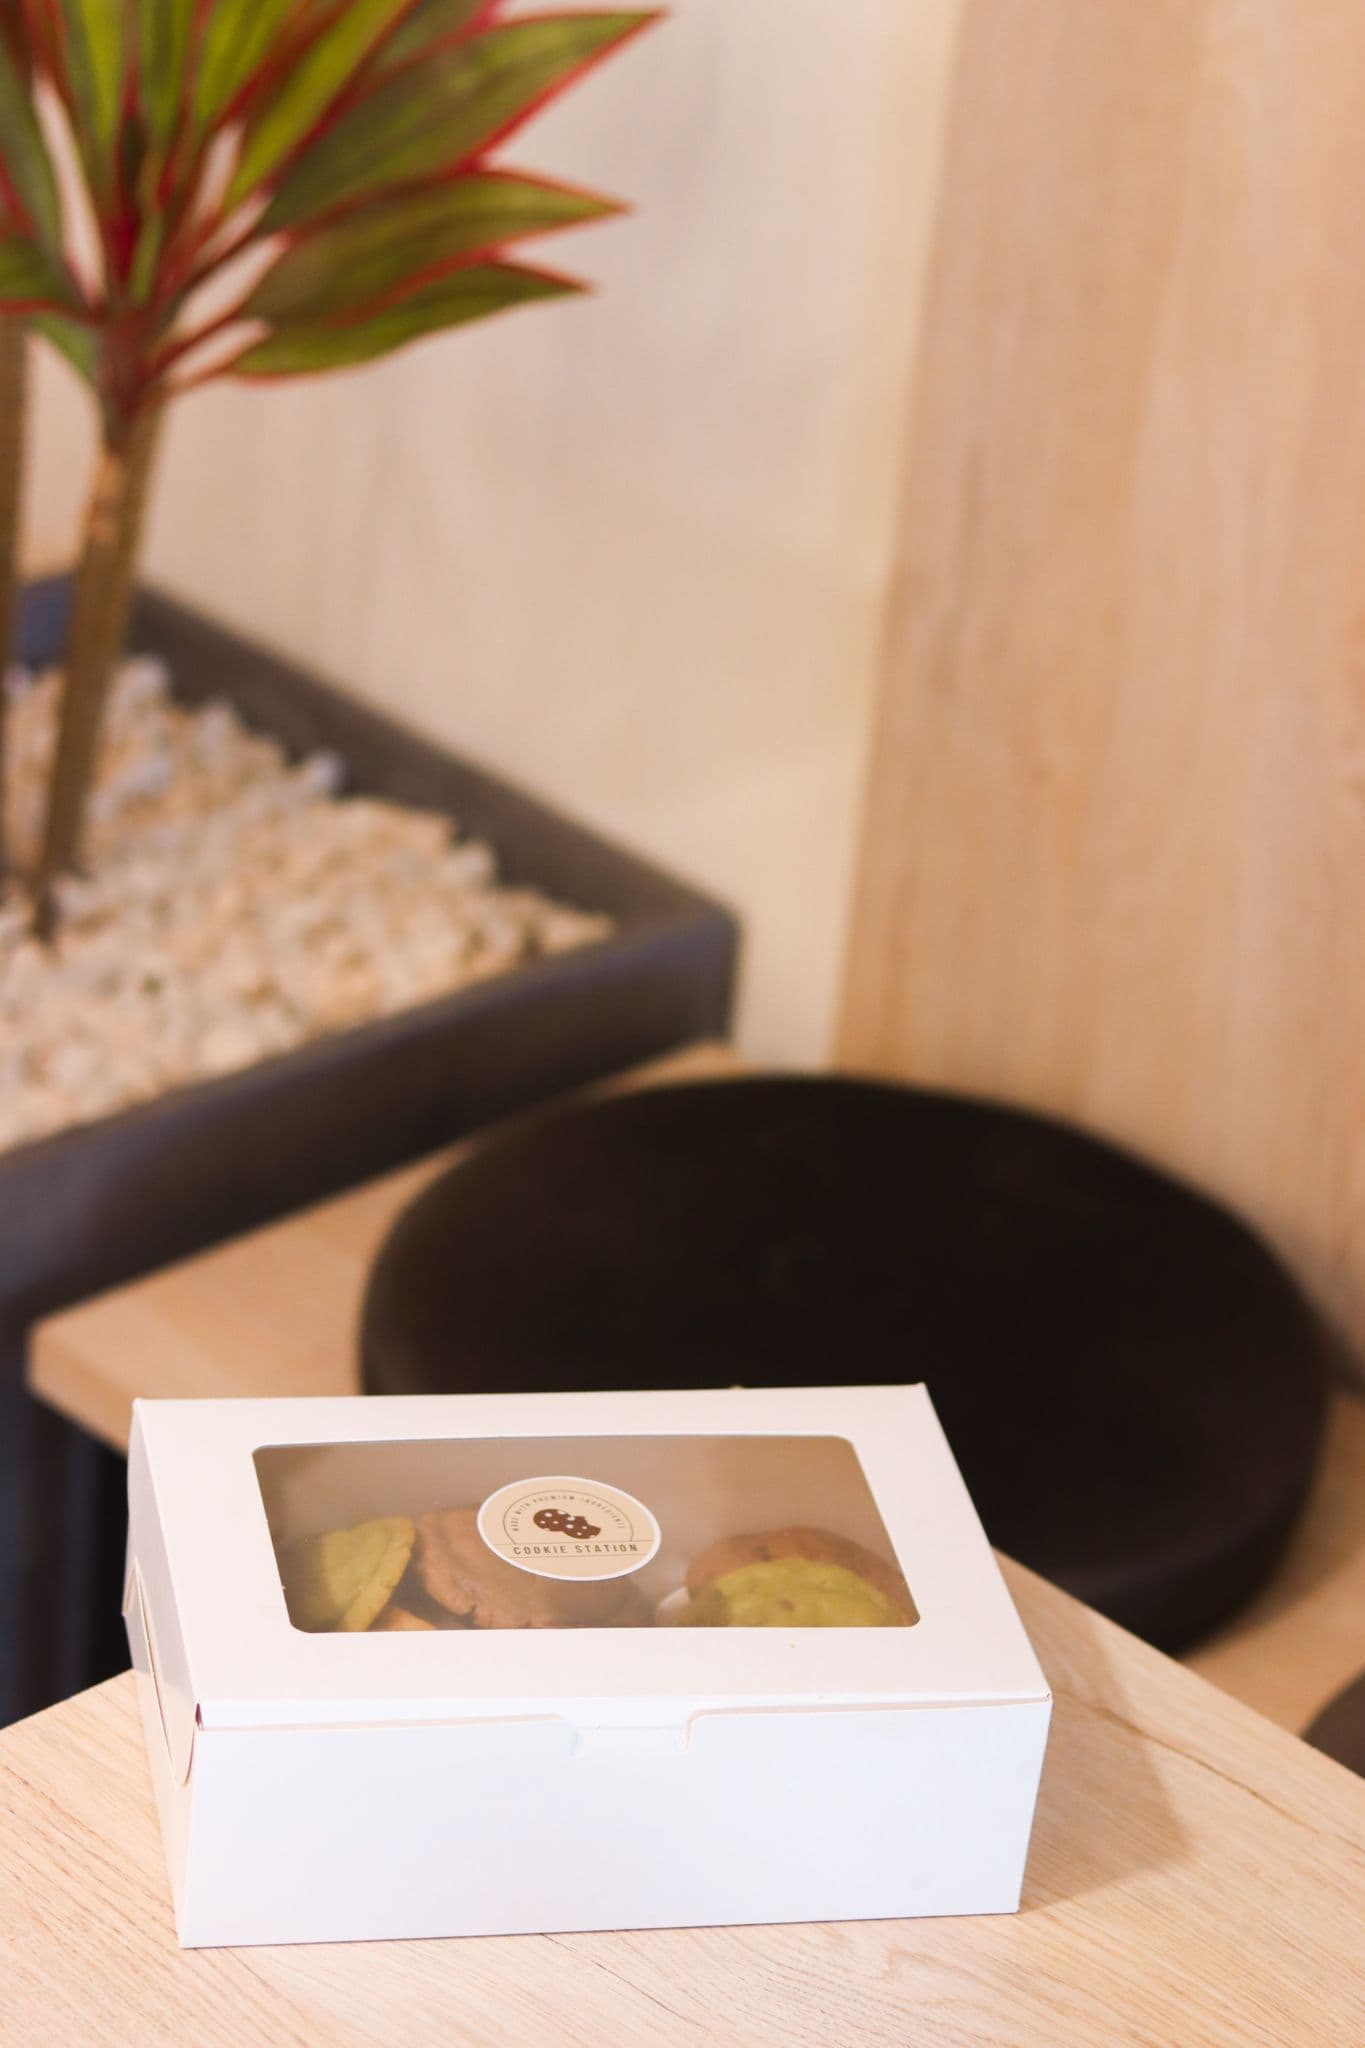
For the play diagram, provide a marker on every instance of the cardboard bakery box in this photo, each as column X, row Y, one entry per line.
column 497, row 1664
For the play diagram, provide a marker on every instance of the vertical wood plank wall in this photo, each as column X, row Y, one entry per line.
column 1114, row 853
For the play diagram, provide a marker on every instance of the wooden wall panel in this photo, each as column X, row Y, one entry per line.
column 1114, row 858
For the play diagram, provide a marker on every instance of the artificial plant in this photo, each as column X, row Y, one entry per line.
column 273, row 188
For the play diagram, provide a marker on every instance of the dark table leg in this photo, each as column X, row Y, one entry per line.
column 63, row 1524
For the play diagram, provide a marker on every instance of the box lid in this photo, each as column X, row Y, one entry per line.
column 208, row 1478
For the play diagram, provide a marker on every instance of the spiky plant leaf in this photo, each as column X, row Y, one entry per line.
column 238, row 36
column 304, row 348
column 72, row 339
column 23, row 153
column 34, row 28
column 431, row 22
column 146, row 256
column 163, row 49
column 94, row 47
column 29, row 278
column 375, row 252
column 308, row 88
column 436, row 115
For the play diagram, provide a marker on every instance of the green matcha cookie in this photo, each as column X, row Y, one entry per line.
column 343, row 1579
column 795, row 1577
column 791, row 1592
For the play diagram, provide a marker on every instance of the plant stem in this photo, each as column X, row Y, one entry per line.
column 13, row 394
column 104, row 589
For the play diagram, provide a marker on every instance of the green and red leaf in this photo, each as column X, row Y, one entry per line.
column 396, row 245
column 364, row 124
column 431, row 23
column 38, row 36
column 28, row 188
column 304, row 93
column 94, row 60
column 304, row 348
column 443, row 111
column 29, row 278
column 14, row 31
column 163, row 60
column 73, row 339
column 238, row 37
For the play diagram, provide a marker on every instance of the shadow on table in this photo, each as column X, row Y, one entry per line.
column 1103, row 1813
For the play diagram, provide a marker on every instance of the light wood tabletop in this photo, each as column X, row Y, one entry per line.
column 1197, row 1878
column 1197, row 1875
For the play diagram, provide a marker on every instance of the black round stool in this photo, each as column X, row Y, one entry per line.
column 1132, row 1385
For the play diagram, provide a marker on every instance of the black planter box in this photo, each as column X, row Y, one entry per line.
column 90, row 1208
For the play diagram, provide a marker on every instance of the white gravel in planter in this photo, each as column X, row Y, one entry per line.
column 235, row 906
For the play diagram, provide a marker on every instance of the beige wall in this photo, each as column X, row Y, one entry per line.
column 631, row 550
column 1115, row 836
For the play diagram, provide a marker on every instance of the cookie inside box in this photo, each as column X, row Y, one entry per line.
column 718, row 1531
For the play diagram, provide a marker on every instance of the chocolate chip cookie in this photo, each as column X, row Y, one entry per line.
column 455, row 1567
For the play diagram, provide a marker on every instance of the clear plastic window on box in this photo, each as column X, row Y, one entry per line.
column 720, row 1531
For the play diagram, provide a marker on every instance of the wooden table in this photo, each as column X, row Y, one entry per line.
column 1197, row 1878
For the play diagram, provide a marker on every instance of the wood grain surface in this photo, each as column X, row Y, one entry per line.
column 1197, row 1877
column 1114, row 857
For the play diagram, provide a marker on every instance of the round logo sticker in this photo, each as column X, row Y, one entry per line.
column 565, row 1528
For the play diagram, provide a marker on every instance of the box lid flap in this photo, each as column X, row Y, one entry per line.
column 152, row 1617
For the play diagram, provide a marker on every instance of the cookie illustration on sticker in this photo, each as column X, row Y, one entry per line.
column 565, row 1527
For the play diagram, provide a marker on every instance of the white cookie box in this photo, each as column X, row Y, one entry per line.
column 329, row 1787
